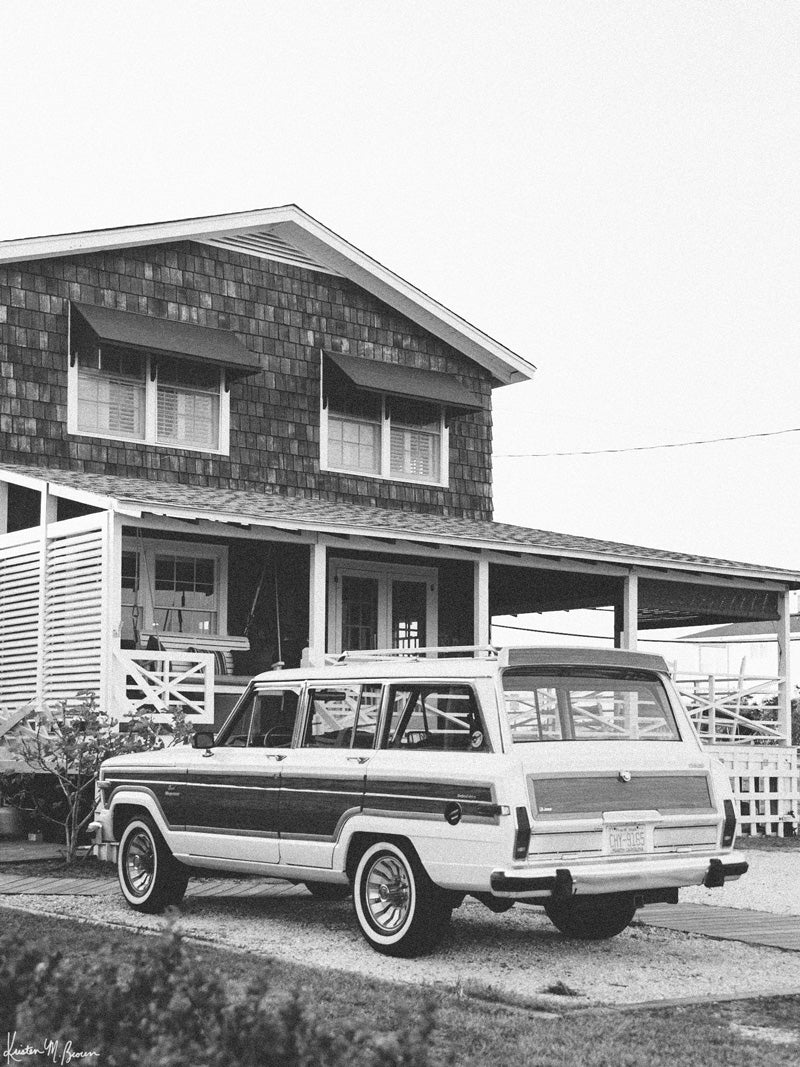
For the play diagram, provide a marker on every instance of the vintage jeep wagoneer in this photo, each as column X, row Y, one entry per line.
column 568, row 778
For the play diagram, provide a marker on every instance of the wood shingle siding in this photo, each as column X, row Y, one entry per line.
column 283, row 313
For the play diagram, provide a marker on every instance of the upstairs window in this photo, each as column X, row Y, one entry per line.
column 156, row 381
column 382, row 435
column 111, row 395
column 188, row 401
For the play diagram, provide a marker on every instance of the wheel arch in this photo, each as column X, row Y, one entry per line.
column 128, row 804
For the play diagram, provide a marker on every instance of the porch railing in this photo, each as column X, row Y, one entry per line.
column 733, row 709
column 162, row 682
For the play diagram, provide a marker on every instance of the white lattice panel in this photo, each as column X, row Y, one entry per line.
column 19, row 622
column 765, row 786
column 73, row 614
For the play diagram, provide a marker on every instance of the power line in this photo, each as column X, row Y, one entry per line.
column 647, row 448
column 592, row 637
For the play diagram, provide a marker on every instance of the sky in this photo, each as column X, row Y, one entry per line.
column 609, row 188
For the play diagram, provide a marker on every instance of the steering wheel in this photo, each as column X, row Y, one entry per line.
column 278, row 737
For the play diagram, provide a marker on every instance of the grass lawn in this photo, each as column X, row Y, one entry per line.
column 475, row 1026
column 763, row 843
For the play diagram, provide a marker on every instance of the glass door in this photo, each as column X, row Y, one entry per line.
column 381, row 605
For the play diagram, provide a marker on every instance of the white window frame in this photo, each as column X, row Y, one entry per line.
column 385, row 430
column 386, row 574
column 150, row 410
column 149, row 548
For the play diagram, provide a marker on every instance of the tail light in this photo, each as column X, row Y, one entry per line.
column 522, row 838
column 729, row 826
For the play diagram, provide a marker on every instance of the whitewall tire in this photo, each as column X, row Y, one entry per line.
column 149, row 875
column 399, row 909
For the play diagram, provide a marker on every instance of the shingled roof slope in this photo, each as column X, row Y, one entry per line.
column 246, row 505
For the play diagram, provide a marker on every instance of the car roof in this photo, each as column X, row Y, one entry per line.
column 378, row 667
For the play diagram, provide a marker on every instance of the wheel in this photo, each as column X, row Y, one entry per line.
column 399, row 909
column 149, row 875
column 328, row 890
column 591, row 918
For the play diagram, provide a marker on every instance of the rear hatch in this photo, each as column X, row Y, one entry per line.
column 611, row 763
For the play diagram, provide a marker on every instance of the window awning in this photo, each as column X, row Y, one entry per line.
column 377, row 377
column 91, row 325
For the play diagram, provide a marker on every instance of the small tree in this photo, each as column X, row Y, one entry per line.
column 68, row 746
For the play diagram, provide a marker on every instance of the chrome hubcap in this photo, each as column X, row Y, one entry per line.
column 140, row 863
column 388, row 893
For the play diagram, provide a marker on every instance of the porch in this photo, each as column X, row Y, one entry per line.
column 158, row 595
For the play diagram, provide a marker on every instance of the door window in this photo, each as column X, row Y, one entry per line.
column 265, row 720
column 359, row 612
column 409, row 608
column 443, row 718
column 343, row 717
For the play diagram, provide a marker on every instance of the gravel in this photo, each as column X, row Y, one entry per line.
column 772, row 884
column 519, row 952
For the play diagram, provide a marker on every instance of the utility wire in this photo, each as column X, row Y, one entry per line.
column 593, row 637
column 647, row 448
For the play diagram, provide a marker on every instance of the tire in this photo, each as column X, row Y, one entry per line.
column 594, row 918
column 149, row 875
column 400, row 911
column 328, row 890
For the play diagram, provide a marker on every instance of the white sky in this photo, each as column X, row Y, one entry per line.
column 609, row 188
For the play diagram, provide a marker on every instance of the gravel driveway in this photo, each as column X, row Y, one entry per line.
column 519, row 952
column 772, row 884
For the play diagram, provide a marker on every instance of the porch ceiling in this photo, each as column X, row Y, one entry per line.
column 137, row 497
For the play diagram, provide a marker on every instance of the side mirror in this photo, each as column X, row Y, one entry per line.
column 203, row 739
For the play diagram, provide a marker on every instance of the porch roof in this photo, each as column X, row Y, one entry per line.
column 138, row 496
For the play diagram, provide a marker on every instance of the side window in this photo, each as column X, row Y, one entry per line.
column 265, row 720
column 441, row 718
column 343, row 717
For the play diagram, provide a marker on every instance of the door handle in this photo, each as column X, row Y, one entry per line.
column 276, row 756
column 359, row 759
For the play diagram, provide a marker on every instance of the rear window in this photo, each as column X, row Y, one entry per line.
column 580, row 705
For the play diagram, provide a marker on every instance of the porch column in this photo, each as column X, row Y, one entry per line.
column 480, row 601
column 630, row 613
column 317, row 596
column 3, row 508
column 784, row 668
column 110, row 694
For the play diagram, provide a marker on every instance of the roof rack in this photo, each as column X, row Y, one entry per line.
column 370, row 654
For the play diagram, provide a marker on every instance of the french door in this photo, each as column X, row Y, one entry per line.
column 379, row 605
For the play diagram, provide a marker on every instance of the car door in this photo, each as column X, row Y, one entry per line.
column 435, row 765
column 323, row 776
column 232, row 789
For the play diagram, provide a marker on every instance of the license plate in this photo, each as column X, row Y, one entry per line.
column 626, row 838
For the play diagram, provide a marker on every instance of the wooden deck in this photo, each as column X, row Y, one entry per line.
column 729, row 924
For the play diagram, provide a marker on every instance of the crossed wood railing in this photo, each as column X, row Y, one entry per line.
column 724, row 707
column 160, row 682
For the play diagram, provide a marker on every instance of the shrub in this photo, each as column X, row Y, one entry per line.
column 165, row 1007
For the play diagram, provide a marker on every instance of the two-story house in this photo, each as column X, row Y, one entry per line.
column 232, row 442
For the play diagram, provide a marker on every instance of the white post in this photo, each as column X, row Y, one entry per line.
column 317, row 595
column 3, row 508
column 480, row 601
column 47, row 514
column 110, row 699
column 630, row 613
column 784, row 668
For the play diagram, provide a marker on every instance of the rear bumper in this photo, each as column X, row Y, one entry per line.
column 619, row 876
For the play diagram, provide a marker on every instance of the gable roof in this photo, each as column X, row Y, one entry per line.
column 288, row 233
column 135, row 496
